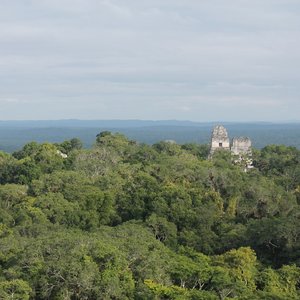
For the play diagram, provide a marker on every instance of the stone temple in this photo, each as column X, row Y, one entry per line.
column 240, row 146
column 219, row 139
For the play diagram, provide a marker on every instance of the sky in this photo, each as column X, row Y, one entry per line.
column 198, row 60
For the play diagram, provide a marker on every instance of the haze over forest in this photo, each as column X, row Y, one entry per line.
column 15, row 134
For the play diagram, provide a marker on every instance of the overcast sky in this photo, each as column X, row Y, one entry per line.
column 200, row 60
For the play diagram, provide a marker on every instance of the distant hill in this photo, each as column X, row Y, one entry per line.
column 14, row 134
column 98, row 123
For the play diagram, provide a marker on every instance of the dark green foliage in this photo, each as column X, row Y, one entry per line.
column 124, row 220
column 68, row 146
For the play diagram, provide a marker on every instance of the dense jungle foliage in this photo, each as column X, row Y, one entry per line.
column 124, row 220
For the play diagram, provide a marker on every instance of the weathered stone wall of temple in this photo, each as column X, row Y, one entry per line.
column 219, row 139
column 241, row 145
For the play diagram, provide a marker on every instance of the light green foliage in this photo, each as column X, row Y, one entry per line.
column 242, row 268
column 282, row 282
column 11, row 195
column 15, row 289
column 48, row 158
column 124, row 220
column 96, row 162
column 174, row 292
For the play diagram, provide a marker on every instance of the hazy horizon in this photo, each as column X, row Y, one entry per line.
column 153, row 120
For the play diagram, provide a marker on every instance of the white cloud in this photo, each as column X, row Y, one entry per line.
column 12, row 101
